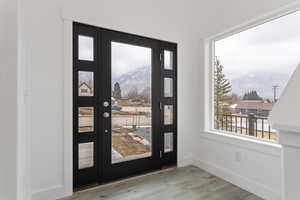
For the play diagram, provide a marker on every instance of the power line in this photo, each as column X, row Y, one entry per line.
column 275, row 87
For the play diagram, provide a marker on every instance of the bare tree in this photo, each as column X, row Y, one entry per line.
column 133, row 93
column 235, row 98
column 145, row 95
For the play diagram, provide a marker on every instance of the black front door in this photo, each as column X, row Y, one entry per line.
column 124, row 104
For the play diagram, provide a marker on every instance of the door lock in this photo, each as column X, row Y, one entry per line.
column 105, row 114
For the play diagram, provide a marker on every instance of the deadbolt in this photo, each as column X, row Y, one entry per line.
column 105, row 114
column 105, row 104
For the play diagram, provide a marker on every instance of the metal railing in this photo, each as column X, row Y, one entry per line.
column 247, row 125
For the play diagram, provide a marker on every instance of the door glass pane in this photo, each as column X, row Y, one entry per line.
column 86, row 155
column 131, row 102
column 168, row 142
column 85, row 48
column 168, row 61
column 86, row 119
column 168, row 114
column 85, row 83
column 168, row 87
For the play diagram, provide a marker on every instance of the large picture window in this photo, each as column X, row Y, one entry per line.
column 250, row 71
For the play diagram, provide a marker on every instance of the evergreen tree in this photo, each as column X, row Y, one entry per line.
column 222, row 90
column 252, row 95
column 117, row 94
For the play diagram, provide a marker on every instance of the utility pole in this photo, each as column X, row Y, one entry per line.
column 275, row 87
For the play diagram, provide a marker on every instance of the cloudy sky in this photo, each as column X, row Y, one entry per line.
column 270, row 47
column 127, row 58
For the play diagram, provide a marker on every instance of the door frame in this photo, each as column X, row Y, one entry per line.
column 67, row 138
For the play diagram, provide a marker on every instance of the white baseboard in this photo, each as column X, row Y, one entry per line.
column 241, row 181
column 52, row 193
column 59, row 191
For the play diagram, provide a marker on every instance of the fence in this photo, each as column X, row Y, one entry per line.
column 247, row 125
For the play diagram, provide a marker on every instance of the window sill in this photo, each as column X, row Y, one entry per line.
column 283, row 127
column 245, row 142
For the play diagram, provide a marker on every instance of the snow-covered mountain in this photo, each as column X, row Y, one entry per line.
column 262, row 82
column 139, row 78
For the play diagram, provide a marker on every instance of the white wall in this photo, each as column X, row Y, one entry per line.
column 253, row 166
column 8, row 99
column 178, row 21
column 44, row 40
column 283, row 114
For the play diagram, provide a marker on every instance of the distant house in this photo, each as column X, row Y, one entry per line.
column 85, row 89
column 256, row 107
column 114, row 101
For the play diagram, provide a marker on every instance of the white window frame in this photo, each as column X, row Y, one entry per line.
column 209, row 51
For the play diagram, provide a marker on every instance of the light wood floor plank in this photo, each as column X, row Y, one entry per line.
column 187, row 183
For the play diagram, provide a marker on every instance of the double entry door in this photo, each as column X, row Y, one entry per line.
column 124, row 104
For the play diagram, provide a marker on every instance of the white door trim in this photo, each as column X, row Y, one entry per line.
column 68, row 107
